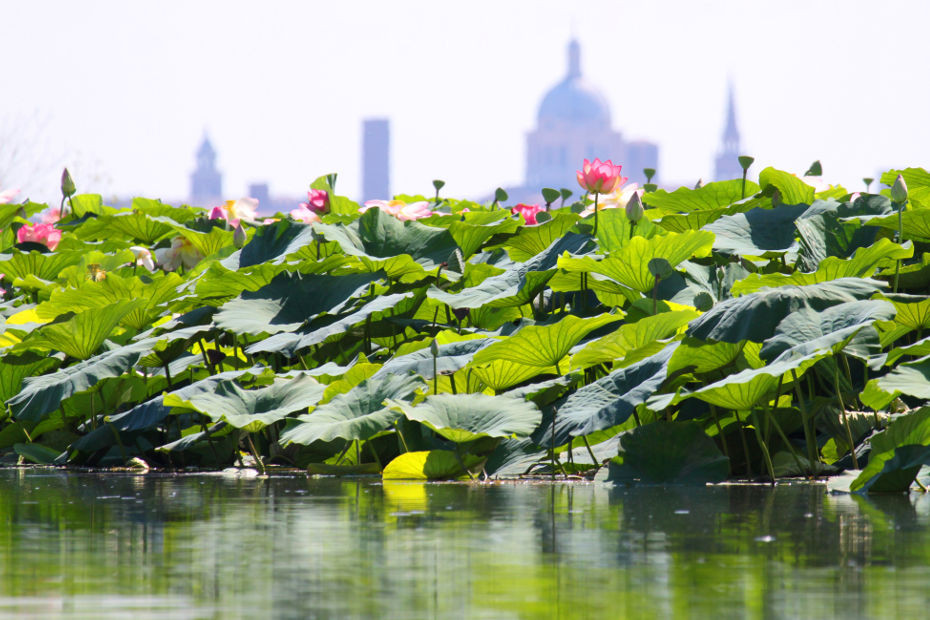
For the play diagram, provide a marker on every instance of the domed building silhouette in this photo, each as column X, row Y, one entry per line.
column 573, row 123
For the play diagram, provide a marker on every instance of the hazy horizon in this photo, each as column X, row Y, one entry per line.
column 122, row 92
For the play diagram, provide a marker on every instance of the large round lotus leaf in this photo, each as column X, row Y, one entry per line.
column 668, row 452
column 357, row 414
column 428, row 465
column 897, row 455
column 462, row 418
column 755, row 316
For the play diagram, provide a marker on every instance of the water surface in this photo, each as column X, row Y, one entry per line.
column 204, row 546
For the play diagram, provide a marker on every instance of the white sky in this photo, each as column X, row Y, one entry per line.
column 126, row 89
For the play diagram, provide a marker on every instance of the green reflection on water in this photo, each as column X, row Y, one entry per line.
column 210, row 546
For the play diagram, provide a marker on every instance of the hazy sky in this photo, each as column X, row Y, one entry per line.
column 124, row 90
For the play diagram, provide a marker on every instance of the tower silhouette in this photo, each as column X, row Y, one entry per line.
column 726, row 165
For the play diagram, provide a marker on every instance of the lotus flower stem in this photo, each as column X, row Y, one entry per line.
column 255, row 454
column 723, row 441
column 763, row 446
column 849, row 437
column 597, row 463
column 742, row 436
column 595, row 213
column 805, row 420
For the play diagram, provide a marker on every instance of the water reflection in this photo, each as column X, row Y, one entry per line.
column 112, row 545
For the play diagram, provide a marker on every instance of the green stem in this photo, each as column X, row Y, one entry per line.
column 849, row 437
column 723, row 441
column 763, row 446
column 742, row 436
column 591, row 452
column 258, row 459
column 805, row 421
column 595, row 213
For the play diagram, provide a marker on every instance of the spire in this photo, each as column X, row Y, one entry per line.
column 574, row 59
column 730, row 132
column 727, row 161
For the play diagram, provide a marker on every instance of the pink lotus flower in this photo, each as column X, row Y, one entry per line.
column 181, row 252
column 600, row 177
column 143, row 257
column 46, row 234
column 235, row 210
column 617, row 199
column 7, row 195
column 317, row 201
column 527, row 211
column 400, row 209
column 304, row 214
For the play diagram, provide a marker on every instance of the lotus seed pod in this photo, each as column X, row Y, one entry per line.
column 745, row 161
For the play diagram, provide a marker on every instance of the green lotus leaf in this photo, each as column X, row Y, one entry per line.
column 513, row 457
column 754, row 316
column 208, row 243
column 132, row 225
column 744, row 390
column 154, row 291
column 910, row 378
column 681, row 222
column 290, row 300
column 912, row 311
column 631, row 337
column 429, row 465
column 358, row 414
column 466, row 419
column 11, row 210
column 450, row 358
column 709, row 197
column 863, row 264
column 376, row 234
column 630, row 265
column 501, row 374
column 701, row 357
column 914, row 223
column 805, row 331
column 324, row 327
column 831, row 228
column 919, row 348
column 151, row 413
column 37, row 453
column 668, row 452
column 897, row 455
column 544, row 345
column 81, row 335
column 757, row 231
column 531, row 240
column 607, row 402
column 793, row 190
column 519, row 283
column 14, row 368
column 250, row 410
column 470, row 234
column 918, row 185
column 43, row 266
column 43, row 394
column 273, row 244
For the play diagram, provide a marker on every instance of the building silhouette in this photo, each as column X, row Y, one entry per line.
column 726, row 165
column 376, row 143
column 206, row 180
column 573, row 123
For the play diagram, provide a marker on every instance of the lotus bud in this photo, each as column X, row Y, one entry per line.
column 239, row 236
column 634, row 208
column 67, row 184
column 434, row 348
column 699, row 184
column 899, row 190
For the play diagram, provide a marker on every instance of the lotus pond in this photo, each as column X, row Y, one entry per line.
column 117, row 545
column 737, row 330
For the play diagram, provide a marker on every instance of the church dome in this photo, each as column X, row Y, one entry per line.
column 573, row 100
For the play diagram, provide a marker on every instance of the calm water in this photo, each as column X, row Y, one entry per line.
column 204, row 546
